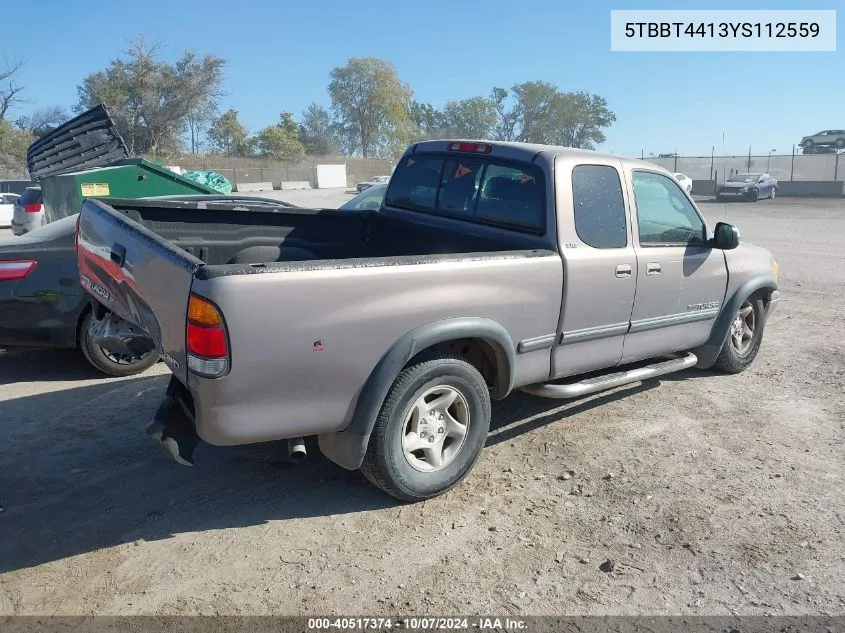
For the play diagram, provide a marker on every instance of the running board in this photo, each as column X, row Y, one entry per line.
column 609, row 381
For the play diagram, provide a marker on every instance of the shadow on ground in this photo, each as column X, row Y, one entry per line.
column 43, row 365
column 88, row 477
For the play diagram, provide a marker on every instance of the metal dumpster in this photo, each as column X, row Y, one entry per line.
column 87, row 158
column 128, row 178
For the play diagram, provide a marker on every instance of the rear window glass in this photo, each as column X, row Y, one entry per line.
column 479, row 190
column 30, row 196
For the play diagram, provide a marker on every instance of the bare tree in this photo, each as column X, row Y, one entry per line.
column 10, row 93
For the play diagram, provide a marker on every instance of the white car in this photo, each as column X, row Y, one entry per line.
column 686, row 181
column 7, row 208
column 378, row 180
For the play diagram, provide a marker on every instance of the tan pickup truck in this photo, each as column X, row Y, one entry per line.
column 490, row 267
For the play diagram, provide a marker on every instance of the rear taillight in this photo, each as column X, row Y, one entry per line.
column 16, row 270
column 32, row 208
column 476, row 148
column 206, row 339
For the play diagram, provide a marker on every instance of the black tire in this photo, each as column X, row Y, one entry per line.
column 385, row 464
column 732, row 360
column 774, row 192
column 102, row 363
column 809, row 147
column 755, row 195
column 840, row 143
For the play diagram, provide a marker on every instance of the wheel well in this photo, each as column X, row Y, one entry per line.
column 765, row 294
column 478, row 352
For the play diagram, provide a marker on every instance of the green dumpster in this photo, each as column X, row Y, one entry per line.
column 128, row 178
column 87, row 157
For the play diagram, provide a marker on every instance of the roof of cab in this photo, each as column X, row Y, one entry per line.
column 532, row 149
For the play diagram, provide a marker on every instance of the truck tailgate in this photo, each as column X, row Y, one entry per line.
column 139, row 276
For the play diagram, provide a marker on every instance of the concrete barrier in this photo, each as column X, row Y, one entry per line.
column 809, row 188
column 295, row 184
column 255, row 186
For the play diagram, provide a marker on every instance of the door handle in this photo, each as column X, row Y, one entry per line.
column 623, row 270
column 652, row 268
column 118, row 254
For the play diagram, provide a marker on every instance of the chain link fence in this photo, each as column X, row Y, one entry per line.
column 785, row 168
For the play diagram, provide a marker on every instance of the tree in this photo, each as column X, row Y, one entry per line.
column 371, row 104
column 320, row 135
column 540, row 113
column 10, row 93
column 43, row 120
column 197, row 124
column 280, row 141
column 150, row 99
column 428, row 122
column 13, row 145
column 229, row 136
column 583, row 119
column 472, row 118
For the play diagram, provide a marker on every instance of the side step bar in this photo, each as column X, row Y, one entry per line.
column 609, row 381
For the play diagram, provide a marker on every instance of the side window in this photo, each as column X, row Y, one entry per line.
column 511, row 196
column 599, row 207
column 665, row 216
column 415, row 183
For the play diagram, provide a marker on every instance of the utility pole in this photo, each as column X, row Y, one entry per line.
column 792, row 166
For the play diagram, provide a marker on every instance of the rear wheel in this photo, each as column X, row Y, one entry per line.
column 743, row 342
column 430, row 430
column 774, row 192
column 108, row 362
column 840, row 143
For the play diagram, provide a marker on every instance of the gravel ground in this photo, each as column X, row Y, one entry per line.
column 711, row 494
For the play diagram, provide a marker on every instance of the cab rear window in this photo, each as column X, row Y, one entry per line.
column 469, row 188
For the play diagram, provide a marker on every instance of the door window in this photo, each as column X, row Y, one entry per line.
column 599, row 207
column 665, row 216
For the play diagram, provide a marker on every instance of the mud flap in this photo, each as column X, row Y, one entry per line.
column 173, row 425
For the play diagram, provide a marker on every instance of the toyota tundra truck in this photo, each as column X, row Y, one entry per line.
column 489, row 268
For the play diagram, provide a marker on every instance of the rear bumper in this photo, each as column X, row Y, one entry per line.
column 26, row 222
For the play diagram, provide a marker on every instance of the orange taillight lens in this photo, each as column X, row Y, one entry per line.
column 203, row 312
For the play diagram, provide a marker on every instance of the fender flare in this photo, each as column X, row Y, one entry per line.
column 709, row 351
column 348, row 447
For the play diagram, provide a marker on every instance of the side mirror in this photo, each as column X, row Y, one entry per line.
column 725, row 236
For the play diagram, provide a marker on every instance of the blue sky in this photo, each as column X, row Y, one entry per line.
column 280, row 55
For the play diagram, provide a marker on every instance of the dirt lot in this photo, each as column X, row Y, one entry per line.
column 712, row 494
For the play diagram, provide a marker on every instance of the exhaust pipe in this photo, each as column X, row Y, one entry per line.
column 296, row 450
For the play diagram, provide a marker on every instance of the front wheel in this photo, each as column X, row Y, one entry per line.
column 744, row 338
column 430, row 430
column 108, row 362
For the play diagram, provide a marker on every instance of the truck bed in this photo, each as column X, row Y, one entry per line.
column 219, row 235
